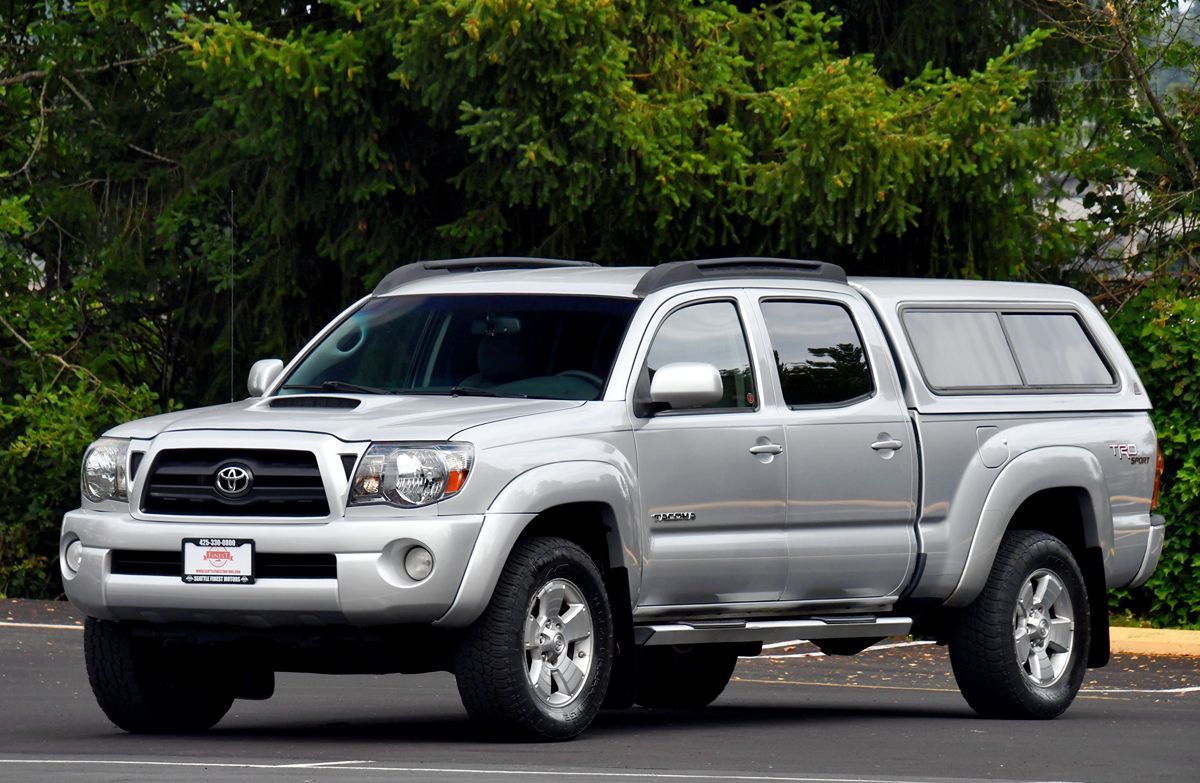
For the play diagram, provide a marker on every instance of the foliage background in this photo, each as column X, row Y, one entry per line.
column 186, row 188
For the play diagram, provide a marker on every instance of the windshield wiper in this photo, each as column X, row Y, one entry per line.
column 341, row 386
column 475, row 391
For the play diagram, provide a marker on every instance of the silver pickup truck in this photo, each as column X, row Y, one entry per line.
column 577, row 487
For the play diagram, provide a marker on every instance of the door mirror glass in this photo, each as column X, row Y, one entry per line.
column 686, row 385
column 262, row 374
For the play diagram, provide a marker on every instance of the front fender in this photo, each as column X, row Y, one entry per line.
column 521, row 500
column 1051, row 467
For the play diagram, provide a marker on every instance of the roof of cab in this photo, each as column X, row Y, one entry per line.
column 544, row 275
column 616, row 281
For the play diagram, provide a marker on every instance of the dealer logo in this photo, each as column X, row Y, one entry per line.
column 234, row 481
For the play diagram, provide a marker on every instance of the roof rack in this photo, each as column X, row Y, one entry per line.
column 680, row 272
column 422, row 269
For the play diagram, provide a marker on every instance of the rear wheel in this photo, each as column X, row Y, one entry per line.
column 1020, row 649
column 538, row 661
column 683, row 677
column 146, row 688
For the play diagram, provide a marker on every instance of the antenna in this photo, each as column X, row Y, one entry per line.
column 232, row 251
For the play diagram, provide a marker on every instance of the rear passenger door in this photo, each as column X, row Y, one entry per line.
column 852, row 455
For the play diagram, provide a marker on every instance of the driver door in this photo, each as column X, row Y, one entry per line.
column 714, row 510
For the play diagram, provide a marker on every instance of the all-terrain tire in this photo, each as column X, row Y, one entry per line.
column 687, row 678
column 1016, row 653
column 517, row 670
column 145, row 688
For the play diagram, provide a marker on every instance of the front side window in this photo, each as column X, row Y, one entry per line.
column 709, row 332
column 511, row 345
column 818, row 353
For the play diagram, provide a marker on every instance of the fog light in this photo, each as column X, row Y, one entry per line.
column 73, row 557
column 418, row 563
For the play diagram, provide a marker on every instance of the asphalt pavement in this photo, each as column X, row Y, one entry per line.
column 889, row 714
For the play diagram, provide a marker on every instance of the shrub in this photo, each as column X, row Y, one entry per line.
column 1160, row 329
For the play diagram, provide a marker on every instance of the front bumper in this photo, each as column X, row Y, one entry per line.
column 371, row 587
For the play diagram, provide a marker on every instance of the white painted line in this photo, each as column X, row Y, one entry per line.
column 1193, row 689
column 468, row 771
column 51, row 626
column 792, row 643
column 316, row 764
column 821, row 654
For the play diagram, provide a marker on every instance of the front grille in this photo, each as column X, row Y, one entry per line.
column 267, row 565
column 285, row 484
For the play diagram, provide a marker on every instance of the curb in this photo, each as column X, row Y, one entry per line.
column 1154, row 641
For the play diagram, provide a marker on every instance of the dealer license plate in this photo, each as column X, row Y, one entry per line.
column 218, row 561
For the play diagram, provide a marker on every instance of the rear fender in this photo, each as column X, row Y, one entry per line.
column 1052, row 467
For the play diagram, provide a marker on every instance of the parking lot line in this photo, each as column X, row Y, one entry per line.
column 567, row 773
column 52, row 626
column 1093, row 692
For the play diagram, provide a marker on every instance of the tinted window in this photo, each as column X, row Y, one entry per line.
column 558, row 347
column 1053, row 350
column 961, row 349
column 709, row 332
column 818, row 353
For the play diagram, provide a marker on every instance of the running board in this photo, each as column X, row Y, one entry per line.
column 711, row 631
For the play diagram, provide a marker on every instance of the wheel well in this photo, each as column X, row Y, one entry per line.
column 1063, row 512
column 1066, row 513
column 590, row 525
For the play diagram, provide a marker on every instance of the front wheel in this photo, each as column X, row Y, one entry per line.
column 1020, row 649
column 538, row 661
column 146, row 688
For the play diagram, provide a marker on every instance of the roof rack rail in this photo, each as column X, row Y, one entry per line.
column 421, row 269
column 680, row 272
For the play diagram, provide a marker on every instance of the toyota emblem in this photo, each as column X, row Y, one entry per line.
column 233, row 481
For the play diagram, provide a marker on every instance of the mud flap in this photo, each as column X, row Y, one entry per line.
column 1097, row 590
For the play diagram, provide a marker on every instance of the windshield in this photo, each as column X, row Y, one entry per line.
column 552, row 347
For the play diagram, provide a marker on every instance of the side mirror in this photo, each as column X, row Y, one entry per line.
column 262, row 374
column 685, row 385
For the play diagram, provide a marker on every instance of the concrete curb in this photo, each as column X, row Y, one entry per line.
column 1155, row 641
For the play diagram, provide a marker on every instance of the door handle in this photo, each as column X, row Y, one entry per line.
column 891, row 444
column 766, row 448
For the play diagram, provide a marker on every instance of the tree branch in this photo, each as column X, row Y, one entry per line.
column 42, row 73
column 1129, row 57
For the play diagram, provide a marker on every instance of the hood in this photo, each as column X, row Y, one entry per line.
column 377, row 417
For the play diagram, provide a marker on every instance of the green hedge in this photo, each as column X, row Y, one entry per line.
column 1160, row 330
column 43, row 434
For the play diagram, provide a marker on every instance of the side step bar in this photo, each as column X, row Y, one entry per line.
column 710, row 631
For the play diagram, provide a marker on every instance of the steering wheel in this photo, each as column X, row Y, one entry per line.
column 582, row 375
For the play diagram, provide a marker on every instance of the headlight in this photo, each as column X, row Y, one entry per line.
column 411, row 474
column 103, row 475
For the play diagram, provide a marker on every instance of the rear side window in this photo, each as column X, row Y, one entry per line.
column 1053, row 350
column 961, row 349
column 991, row 350
column 818, row 353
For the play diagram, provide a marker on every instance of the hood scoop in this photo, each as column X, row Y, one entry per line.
column 314, row 401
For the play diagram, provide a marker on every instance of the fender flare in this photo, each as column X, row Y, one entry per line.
column 1050, row 467
column 521, row 500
